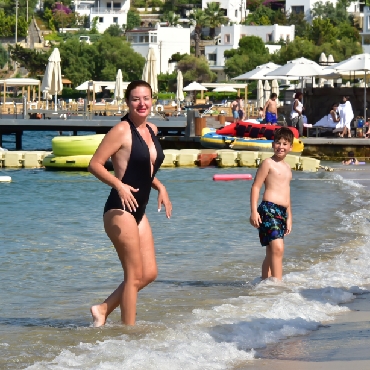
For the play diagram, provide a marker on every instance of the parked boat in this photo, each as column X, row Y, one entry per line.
column 212, row 140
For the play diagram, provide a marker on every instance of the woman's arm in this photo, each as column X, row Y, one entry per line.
column 334, row 116
column 163, row 197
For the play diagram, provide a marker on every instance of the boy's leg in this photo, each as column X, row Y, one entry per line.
column 273, row 263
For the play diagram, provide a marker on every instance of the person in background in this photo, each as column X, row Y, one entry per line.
column 296, row 113
column 351, row 159
column 346, row 117
column 235, row 108
column 331, row 119
column 270, row 110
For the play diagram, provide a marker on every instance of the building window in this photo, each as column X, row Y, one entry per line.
column 269, row 37
column 227, row 39
column 297, row 9
column 115, row 20
column 153, row 38
column 236, row 14
column 117, row 5
column 212, row 59
column 144, row 38
column 101, row 19
column 287, row 38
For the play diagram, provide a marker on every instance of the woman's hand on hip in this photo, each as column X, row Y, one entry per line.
column 128, row 199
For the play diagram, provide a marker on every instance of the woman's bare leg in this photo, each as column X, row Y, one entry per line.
column 149, row 273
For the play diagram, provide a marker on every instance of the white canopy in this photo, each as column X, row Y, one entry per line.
column 225, row 89
column 21, row 82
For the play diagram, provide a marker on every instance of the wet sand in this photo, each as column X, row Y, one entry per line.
column 342, row 345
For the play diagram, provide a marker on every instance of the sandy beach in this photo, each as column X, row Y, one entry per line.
column 342, row 345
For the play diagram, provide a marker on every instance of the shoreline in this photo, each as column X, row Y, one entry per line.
column 337, row 344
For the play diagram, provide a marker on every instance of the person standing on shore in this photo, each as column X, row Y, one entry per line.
column 235, row 108
column 136, row 156
column 273, row 217
column 346, row 116
column 270, row 110
column 296, row 114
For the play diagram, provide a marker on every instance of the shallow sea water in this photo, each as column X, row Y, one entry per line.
column 208, row 308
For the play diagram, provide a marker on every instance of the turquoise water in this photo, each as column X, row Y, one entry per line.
column 208, row 308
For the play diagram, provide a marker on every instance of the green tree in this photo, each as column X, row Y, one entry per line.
column 34, row 61
column 299, row 21
column 322, row 31
column 195, row 69
column 199, row 20
column 261, row 16
column 3, row 56
column 114, row 30
column 171, row 18
column 133, row 19
column 214, row 17
column 251, row 53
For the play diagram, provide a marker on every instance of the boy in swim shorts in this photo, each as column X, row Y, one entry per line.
column 270, row 110
column 273, row 217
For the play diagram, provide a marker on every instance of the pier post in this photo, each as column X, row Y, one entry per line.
column 191, row 114
column 18, row 140
column 24, row 101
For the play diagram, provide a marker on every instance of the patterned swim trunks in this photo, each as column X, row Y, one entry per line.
column 273, row 224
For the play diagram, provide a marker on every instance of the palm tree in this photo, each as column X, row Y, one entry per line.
column 171, row 18
column 215, row 17
column 199, row 20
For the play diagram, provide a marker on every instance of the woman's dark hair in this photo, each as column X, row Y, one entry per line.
column 346, row 96
column 134, row 84
column 334, row 105
column 297, row 95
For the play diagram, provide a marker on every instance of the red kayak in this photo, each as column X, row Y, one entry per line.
column 252, row 130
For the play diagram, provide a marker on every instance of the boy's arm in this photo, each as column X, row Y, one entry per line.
column 289, row 221
column 260, row 178
column 265, row 107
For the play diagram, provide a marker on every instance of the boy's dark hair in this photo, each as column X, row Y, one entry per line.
column 134, row 84
column 284, row 133
column 261, row 108
column 273, row 95
column 351, row 154
column 237, row 98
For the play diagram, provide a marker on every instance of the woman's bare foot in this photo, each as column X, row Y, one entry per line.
column 98, row 313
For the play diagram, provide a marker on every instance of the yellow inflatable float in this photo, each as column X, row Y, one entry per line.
column 76, row 145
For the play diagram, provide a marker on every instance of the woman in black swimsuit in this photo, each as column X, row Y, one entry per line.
column 136, row 156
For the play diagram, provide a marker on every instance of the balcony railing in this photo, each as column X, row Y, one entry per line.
column 105, row 10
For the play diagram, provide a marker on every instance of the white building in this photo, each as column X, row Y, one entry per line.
column 305, row 6
column 365, row 35
column 165, row 41
column 107, row 12
column 235, row 10
column 230, row 36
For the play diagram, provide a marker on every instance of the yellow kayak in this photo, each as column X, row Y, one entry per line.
column 76, row 145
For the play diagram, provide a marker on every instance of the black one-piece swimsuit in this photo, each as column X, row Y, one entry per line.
column 138, row 172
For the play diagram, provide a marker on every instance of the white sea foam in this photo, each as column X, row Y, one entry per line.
column 229, row 333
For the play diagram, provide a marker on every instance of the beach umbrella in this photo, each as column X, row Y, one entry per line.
column 259, row 73
column 267, row 91
column 180, row 86
column 118, row 86
column 195, row 86
column 150, row 70
column 52, row 80
column 297, row 69
column 358, row 63
column 259, row 94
